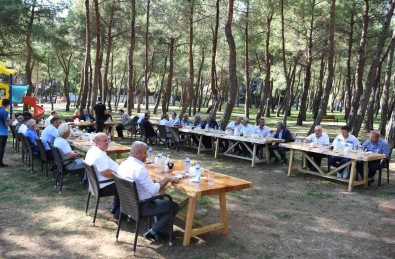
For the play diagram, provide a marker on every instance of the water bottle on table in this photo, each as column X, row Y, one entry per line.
column 187, row 163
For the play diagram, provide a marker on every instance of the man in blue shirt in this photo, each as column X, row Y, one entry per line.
column 4, row 123
column 375, row 145
column 49, row 134
column 31, row 134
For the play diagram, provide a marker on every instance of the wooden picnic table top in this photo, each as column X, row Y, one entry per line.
column 85, row 145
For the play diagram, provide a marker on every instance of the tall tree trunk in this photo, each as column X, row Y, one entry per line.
column 96, row 76
column 146, row 57
column 317, row 98
column 29, row 52
column 108, row 53
column 347, row 102
column 167, row 94
column 85, row 87
column 331, row 70
column 197, row 95
column 160, row 92
column 232, row 67
column 386, row 90
column 373, row 70
column 247, row 66
column 132, row 46
column 307, row 79
column 213, row 81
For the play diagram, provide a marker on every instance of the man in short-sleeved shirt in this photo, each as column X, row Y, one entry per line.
column 23, row 128
column 104, row 166
column 133, row 169
column 4, row 123
column 65, row 150
column 48, row 120
column 233, row 125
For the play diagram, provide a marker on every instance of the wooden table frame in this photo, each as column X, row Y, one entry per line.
column 113, row 148
column 222, row 185
column 354, row 157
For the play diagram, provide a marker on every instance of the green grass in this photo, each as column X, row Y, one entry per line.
column 318, row 194
column 283, row 215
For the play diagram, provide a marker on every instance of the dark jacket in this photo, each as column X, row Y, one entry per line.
column 212, row 125
column 85, row 117
column 149, row 129
column 286, row 135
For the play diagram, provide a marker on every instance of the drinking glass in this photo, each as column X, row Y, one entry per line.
column 210, row 177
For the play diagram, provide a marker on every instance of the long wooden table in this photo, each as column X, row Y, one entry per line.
column 353, row 156
column 113, row 148
column 107, row 124
column 222, row 184
column 234, row 141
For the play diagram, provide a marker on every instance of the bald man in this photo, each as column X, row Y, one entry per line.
column 133, row 169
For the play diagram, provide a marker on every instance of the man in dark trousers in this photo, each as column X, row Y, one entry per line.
column 4, row 123
column 284, row 134
column 100, row 116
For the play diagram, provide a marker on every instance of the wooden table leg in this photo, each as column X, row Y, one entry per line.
column 216, row 148
column 253, row 155
column 224, row 219
column 267, row 153
column 352, row 175
column 189, row 221
column 119, row 155
column 291, row 160
column 365, row 173
column 200, row 143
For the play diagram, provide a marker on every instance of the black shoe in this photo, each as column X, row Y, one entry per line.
column 285, row 161
column 3, row 165
column 370, row 181
column 148, row 235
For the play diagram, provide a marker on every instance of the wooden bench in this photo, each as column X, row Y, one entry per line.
column 331, row 118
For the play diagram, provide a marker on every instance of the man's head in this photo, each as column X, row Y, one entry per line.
column 55, row 122
column 318, row 131
column 196, row 117
column 54, row 114
column 147, row 115
column 138, row 150
column 238, row 120
column 85, row 111
column 121, row 111
column 64, row 130
column 20, row 118
column 99, row 99
column 246, row 121
column 6, row 103
column 101, row 141
column 345, row 131
column 280, row 125
column 30, row 124
column 374, row 136
column 174, row 115
column 77, row 113
column 185, row 116
column 209, row 118
column 165, row 116
column 261, row 122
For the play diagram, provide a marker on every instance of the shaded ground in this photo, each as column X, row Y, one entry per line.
column 280, row 217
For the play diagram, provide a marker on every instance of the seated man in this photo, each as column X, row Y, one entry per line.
column 197, row 120
column 320, row 138
column 234, row 126
column 23, row 128
column 18, row 122
column 49, row 134
column 125, row 120
column 174, row 119
column 141, row 117
column 261, row 130
column 149, row 129
column 86, row 116
column 166, row 122
column 31, row 134
column 48, row 120
column 65, row 150
column 133, row 169
column 209, row 123
column 284, row 134
column 343, row 139
column 246, row 129
column 185, row 120
column 376, row 145
column 104, row 166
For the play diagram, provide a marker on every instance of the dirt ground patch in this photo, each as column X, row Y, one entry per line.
column 280, row 217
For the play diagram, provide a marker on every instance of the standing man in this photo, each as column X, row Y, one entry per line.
column 4, row 123
column 125, row 120
column 320, row 138
column 104, row 166
column 133, row 169
column 375, row 145
column 284, row 134
column 100, row 115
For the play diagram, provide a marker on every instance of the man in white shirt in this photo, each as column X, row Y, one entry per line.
column 66, row 152
column 320, row 138
column 261, row 130
column 340, row 142
column 166, row 122
column 104, row 166
column 233, row 125
column 246, row 128
column 23, row 128
column 133, row 169
column 125, row 120
column 48, row 120
column 174, row 119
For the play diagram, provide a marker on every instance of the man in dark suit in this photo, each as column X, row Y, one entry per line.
column 284, row 134
column 100, row 116
column 88, row 118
